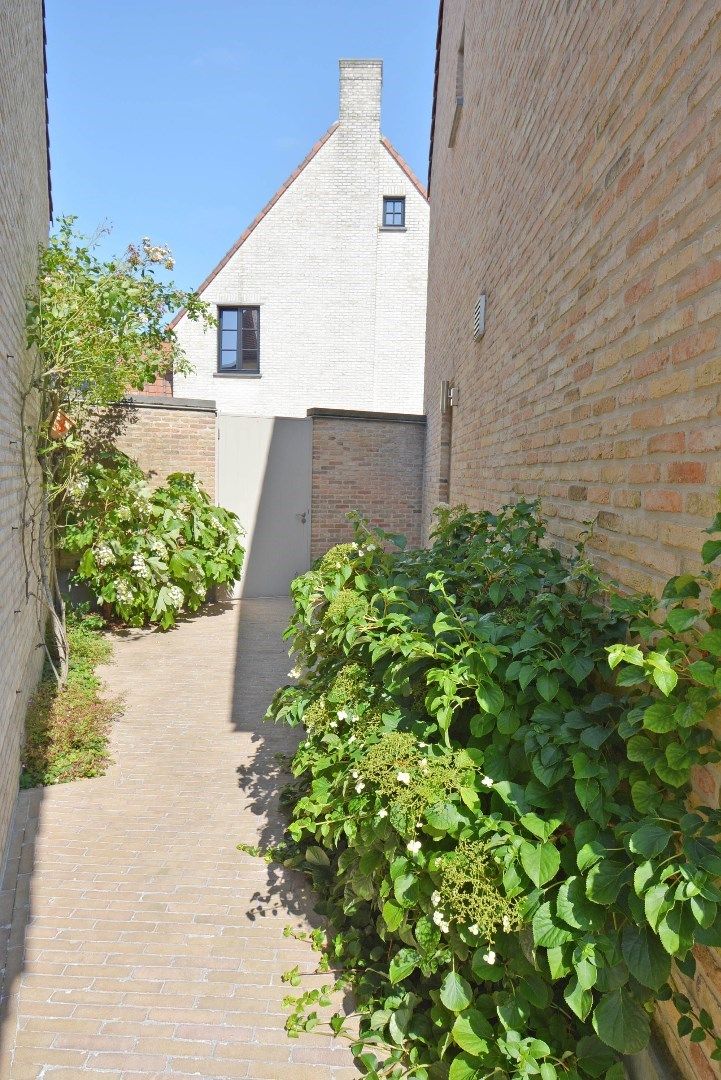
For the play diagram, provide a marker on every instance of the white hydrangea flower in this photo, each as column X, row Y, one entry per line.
column 104, row 555
column 445, row 927
column 474, row 929
column 414, row 846
column 382, row 812
column 123, row 592
column 157, row 546
column 489, row 957
column 359, row 786
column 140, row 567
column 438, row 917
column 404, row 778
column 294, row 673
column 435, row 898
column 342, row 714
column 506, row 925
column 487, row 781
column 352, row 738
column 176, row 596
column 333, row 724
column 355, row 774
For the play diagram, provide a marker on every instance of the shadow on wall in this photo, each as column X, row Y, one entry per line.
column 264, row 475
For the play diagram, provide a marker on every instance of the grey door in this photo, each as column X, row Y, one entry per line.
column 264, row 475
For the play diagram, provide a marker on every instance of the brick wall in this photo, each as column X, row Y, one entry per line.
column 582, row 193
column 24, row 213
column 167, row 435
column 370, row 462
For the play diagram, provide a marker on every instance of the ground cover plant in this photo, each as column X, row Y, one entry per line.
column 66, row 728
column 147, row 554
column 493, row 799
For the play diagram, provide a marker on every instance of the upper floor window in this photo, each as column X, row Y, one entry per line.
column 394, row 212
column 239, row 340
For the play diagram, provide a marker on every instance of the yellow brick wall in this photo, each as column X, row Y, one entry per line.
column 583, row 195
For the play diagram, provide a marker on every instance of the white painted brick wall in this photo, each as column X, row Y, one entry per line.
column 342, row 303
column 23, row 227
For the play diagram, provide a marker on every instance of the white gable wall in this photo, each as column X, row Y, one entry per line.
column 342, row 302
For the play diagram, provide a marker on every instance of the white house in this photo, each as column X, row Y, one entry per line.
column 322, row 300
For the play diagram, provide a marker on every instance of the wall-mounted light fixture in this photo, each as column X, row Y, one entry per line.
column 479, row 317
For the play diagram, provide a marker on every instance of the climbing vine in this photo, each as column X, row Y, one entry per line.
column 493, row 797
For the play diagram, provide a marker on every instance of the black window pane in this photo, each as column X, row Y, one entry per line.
column 250, row 318
column 228, row 359
column 250, row 360
column 229, row 319
column 250, row 339
column 229, row 339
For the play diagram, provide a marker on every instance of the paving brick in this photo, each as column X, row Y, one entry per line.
column 194, row 987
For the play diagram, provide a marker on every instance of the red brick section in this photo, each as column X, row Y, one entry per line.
column 170, row 435
column 583, row 195
column 370, row 462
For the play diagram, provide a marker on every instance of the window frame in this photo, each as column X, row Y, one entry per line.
column 394, row 199
column 238, row 370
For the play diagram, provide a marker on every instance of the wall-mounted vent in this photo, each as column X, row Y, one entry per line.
column 449, row 396
column 479, row 317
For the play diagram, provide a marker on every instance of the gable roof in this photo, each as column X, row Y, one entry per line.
column 281, row 191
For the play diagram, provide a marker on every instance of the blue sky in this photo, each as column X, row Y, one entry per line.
column 178, row 120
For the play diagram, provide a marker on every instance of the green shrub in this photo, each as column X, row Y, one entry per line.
column 499, row 833
column 148, row 555
column 66, row 729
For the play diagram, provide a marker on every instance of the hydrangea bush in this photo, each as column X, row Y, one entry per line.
column 148, row 555
column 493, row 799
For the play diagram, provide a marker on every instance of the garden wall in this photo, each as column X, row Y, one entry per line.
column 24, row 214
column 589, row 137
column 366, row 461
column 169, row 434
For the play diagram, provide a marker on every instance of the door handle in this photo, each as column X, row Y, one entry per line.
column 303, row 517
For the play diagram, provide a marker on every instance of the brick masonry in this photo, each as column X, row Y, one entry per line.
column 24, row 214
column 590, row 138
column 167, row 435
column 372, row 463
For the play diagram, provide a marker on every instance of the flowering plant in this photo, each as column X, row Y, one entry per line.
column 501, row 836
column 147, row 554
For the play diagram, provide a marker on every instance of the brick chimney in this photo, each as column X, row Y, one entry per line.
column 360, row 94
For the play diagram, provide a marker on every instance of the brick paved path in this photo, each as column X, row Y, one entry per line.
column 141, row 942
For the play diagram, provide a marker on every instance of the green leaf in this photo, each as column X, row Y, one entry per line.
column 711, row 550
column 621, row 1022
column 456, row 993
column 711, row 642
column 702, row 672
column 597, row 1058
column 541, row 827
column 681, row 619
column 578, row 999
column 393, row 914
column 402, row 964
column 645, row 956
column 540, row 861
column 578, row 667
column 649, row 840
column 490, row 698
column 548, row 686
column 605, row 880
column 472, row 1032
column 659, row 717
column 656, row 902
column 645, row 796
column 466, row 1068
column 640, row 748
column 547, row 931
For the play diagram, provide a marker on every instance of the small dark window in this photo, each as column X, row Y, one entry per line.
column 394, row 212
column 239, row 340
